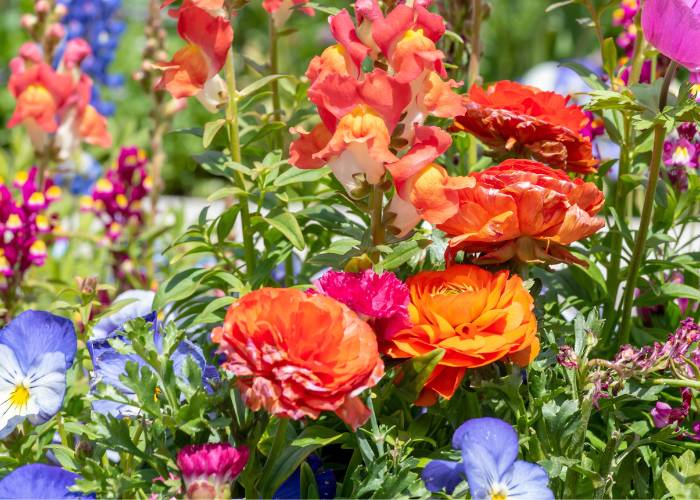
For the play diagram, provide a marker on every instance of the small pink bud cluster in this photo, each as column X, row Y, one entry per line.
column 117, row 197
column 209, row 469
column 25, row 225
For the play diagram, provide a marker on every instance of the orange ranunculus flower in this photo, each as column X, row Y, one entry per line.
column 523, row 210
column 519, row 120
column 296, row 355
column 476, row 316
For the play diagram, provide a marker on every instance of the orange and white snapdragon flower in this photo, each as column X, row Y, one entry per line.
column 194, row 70
column 54, row 104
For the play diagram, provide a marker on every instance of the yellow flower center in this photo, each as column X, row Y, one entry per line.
column 37, row 199
column 498, row 491
column 20, row 395
column 104, row 186
column 54, row 192
column 21, row 178
column 13, row 221
column 122, row 201
column 680, row 155
column 156, row 393
column 38, row 248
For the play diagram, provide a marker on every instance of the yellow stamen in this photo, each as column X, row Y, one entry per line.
column 19, row 396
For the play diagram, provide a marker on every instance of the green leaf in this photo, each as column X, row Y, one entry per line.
column 178, row 287
column 285, row 463
column 558, row 5
column 258, row 84
column 297, row 175
column 208, row 316
column 609, row 56
column 287, row 224
column 416, row 372
column 210, row 131
column 307, row 482
column 681, row 475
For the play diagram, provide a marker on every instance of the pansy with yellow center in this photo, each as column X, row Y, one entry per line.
column 489, row 448
column 36, row 349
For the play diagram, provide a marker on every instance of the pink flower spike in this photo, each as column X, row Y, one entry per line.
column 208, row 469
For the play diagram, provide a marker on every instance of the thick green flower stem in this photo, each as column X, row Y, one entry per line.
column 274, row 85
column 647, row 210
column 235, row 151
column 620, row 204
column 473, row 71
column 376, row 210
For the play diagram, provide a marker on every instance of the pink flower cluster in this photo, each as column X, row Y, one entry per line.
column 25, row 225
column 117, row 197
column 380, row 299
column 208, row 469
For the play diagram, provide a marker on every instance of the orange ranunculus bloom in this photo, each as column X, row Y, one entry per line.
column 296, row 355
column 519, row 120
column 522, row 210
column 476, row 316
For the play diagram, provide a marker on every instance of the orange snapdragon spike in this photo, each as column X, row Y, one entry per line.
column 521, row 210
column 476, row 316
column 407, row 37
column 209, row 40
column 519, row 120
column 93, row 128
column 297, row 355
column 41, row 95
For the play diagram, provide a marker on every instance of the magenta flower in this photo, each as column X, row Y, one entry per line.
column 664, row 414
column 380, row 299
column 682, row 153
column 567, row 357
column 208, row 469
column 673, row 27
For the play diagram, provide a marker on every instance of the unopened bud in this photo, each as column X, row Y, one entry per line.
column 42, row 7
column 60, row 11
column 28, row 21
column 56, row 32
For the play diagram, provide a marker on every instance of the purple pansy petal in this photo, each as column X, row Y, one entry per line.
column 38, row 481
column 34, row 333
column 527, row 481
column 189, row 349
column 480, row 467
column 493, row 434
column 141, row 304
column 442, row 474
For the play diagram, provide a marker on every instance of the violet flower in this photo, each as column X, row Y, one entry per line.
column 489, row 449
column 36, row 350
column 567, row 357
column 39, row 481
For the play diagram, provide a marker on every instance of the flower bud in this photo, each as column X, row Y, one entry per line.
column 209, row 469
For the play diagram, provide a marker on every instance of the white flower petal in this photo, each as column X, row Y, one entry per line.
column 47, row 387
column 10, row 372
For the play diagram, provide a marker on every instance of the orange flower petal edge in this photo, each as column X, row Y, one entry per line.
column 297, row 355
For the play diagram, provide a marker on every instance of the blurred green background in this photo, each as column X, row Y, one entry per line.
column 517, row 36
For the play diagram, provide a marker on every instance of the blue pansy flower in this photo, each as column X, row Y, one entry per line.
column 109, row 365
column 325, row 482
column 489, row 449
column 140, row 304
column 39, row 481
column 36, row 349
column 79, row 175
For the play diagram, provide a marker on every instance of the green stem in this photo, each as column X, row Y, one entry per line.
column 377, row 207
column 620, row 204
column 274, row 85
column 473, row 71
column 647, row 210
column 235, row 150
column 375, row 425
column 638, row 54
column 674, row 382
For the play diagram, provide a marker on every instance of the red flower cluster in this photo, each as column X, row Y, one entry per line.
column 516, row 120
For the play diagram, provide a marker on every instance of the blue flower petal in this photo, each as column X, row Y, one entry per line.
column 527, row 481
column 325, row 482
column 189, row 349
column 141, row 305
column 38, row 481
column 442, row 474
column 34, row 333
column 480, row 468
column 497, row 437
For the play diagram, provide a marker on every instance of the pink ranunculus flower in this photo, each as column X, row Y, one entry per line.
column 380, row 299
column 673, row 27
column 208, row 469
